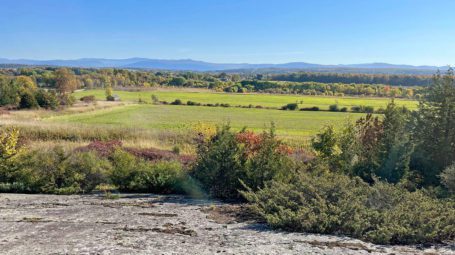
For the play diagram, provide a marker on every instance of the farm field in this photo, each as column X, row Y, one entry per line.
column 266, row 100
column 291, row 124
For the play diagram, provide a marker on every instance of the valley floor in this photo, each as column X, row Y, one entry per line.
column 151, row 224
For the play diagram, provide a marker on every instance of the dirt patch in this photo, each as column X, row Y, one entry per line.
column 230, row 214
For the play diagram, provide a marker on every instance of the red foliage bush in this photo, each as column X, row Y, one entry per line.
column 105, row 149
column 153, row 154
column 250, row 140
column 253, row 143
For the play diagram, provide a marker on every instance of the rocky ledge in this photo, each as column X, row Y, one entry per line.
column 151, row 224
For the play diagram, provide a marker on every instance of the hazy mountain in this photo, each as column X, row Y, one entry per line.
column 194, row 65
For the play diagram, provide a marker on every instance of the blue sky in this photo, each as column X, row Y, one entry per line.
column 419, row 32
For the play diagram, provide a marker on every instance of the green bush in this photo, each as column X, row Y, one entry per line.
column 132, row 174
column 291, row 107
column 177, row 102
column 356, row 109
column 220, row 165
column 47, row 100
column 86, row 169
column 334, row 108
column 28, row 100
column 124, row 166
column 314, row 108
column 368, row 109
column 159, row 177
column 67, row 99
column 89, row 99
column 193, row 103
column 448, row 178
column 329, row 203
column 229, row 161
column 363, row 109
column 56, row 171
column 267, row 162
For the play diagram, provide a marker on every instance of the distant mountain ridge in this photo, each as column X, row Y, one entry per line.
column 195, row 65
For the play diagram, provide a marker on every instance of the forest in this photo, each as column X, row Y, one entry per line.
column 389, row 79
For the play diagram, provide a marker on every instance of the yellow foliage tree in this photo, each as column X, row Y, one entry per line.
column 8, row 143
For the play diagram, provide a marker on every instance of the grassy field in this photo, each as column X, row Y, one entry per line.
column 164, row 126
column 291, row 124
column 266, row 100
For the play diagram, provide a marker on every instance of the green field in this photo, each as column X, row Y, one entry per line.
column 290, row 124
column 266, row 100
column 295, row 125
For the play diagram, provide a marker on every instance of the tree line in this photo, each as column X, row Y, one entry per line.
column 55, row 84
column 389, row 79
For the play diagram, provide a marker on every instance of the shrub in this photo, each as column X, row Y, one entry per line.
column 314, row 108
column 110, row 98
column 356, row 109
column 368, row 109
column 133, row 174
column 124, row 166
column 48, row 100
column 334, row 108
column 267, row 158
column 88, row 99
column 104, row 149
column 67, row 99
column 155, row 99
column 228, row 161
column 8, row 143
column 193, row 103
column 28, row 100
column 176, row 150
column 344, row 109
column 86, row 170
column 291, row 107
column 220, row 164
column 177, row 102
column 380, row 110
column 448, row 178
column 328, row 203
column 160, row 177
column 8, row 149
column 363, row 109
column 57, row 171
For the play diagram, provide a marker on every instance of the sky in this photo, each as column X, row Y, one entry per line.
column 417, row 32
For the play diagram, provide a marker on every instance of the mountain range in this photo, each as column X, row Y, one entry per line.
column 202, row 66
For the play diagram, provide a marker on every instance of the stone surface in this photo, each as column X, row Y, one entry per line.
column 151, row 224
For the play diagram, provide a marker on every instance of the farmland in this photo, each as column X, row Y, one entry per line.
column 265, row 100
column 293, row 124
